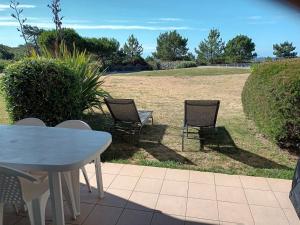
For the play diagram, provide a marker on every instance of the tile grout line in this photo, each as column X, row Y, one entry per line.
column 247, row 199
column 187, row 197
column 124, row 208
column 159, row 193
column 215, row 187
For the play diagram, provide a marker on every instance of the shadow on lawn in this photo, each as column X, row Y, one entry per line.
column 222, row 142
column 124, row 147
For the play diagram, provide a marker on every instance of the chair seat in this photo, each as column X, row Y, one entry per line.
column 145, row 116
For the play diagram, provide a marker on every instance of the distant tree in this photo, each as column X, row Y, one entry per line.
column 284, row 50
column 171, row 46
column 105, row 49
column 70, row 37
column 5, row 52
column 132, row 49
column 211, row 49
column 240, row 49
column 32, row 33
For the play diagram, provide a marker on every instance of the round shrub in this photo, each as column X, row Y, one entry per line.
column 43, row 88
column 271, row 97
column 186, row 64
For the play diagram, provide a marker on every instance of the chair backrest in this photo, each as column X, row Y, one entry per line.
column 74, row 124
column 201, row 113
column 123, row 110
column 30, row 122
column 10, row 185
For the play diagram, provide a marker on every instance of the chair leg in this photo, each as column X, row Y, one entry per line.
column 69, row 193
column 99, row 177
column 36, row 209
column 86, row 178
column 1, row 213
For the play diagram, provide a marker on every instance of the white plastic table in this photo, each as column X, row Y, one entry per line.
column 53, row 150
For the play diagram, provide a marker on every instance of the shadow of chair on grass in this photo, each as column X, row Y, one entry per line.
column 221, row 141
column 124, row 147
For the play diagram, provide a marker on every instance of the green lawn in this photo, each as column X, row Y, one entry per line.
column 197, row 71
column 236, row 148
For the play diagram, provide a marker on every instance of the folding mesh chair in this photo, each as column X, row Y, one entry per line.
column 126, row 116
column 199, row 114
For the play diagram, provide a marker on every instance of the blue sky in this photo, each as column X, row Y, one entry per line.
column 262, row 20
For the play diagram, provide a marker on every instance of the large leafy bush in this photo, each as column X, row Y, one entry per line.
column 271, row 97
column 89, row 72
column 43, row 88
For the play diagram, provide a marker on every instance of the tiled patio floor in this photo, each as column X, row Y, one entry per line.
column 137, row 195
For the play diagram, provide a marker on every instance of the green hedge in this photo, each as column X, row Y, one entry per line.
column 271, row 97
column 42, row 88
column 4, row 64
column 186, row 64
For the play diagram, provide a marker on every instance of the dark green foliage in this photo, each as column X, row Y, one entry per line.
column 271, row 97
column 240, row 49
column 42, row 88
column 4, row 64
column 70, row 37
column 132, row 49
column 211, row 50
column 284, row 50
column 105, row 49
column 186, row 64
column 171, row 46
column 5, row 52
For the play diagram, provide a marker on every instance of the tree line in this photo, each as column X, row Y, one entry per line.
column 171, row 46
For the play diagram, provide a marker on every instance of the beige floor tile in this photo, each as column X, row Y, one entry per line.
column 177, row 175
column 142, row 201
column 280, row 185
column 111, row 168
column 227, row 223
column 202, row 177
column 227, row 180
column 85, row 211
column 124, row 182
column 231, row 194
column 292, row 216
column 203, row 191
column 154, row 172
column 255, row 183
column 263, row 198
column 200, row 208
column 164, row 219
column 132, row 170
column 90, row 168
column 171, row 205
column 197, row 221
column 283, row 199
column 149, row 185
column 115, row 197
column 103, row 215
column 107, row 180
column 88, row 197
column 176, row 188
column 268, row 215
column 235, row 213
column 133, row 217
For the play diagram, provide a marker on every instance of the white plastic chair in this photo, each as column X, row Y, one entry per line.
column 78, row 124
column 17, row 187
column 30, row 122
column 66, row 178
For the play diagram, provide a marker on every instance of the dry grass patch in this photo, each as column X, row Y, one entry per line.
column 236, row 147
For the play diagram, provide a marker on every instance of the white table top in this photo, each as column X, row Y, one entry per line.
column 50, row 149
